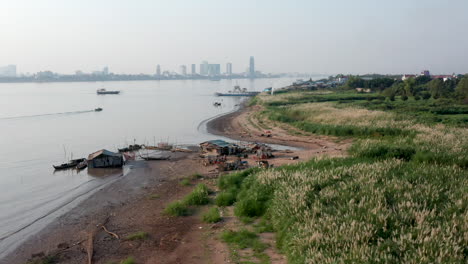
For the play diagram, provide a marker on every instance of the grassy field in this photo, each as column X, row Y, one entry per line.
column 400, row 197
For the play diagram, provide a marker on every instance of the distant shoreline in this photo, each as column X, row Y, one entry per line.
column 124, row 79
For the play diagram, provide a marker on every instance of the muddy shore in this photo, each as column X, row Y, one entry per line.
column 135, row 203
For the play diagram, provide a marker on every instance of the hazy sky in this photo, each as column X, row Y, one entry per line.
column 322, row 36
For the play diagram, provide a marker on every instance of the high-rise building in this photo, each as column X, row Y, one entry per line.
column 193, row 70
column 204, row 68
column 158, row 70
column 252, row 67
column 183, row 70
column 105, row 71
column 8, row 71
column 214, row 69
column 229, row 68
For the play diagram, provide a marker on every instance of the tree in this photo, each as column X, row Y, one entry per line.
column 404, row 98
column 436, row 88
column 462, row 88
column 355, row 82
column 423, row 79
column 410, row 85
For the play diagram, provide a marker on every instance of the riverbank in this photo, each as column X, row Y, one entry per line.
column 135, row 203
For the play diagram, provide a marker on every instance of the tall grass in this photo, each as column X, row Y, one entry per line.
column 401, row 196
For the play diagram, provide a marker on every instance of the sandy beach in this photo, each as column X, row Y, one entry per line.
column 135, row 203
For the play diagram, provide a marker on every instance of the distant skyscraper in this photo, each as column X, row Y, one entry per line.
column 8, row 71
column 229, row 68
column 193, row 69
column 158, row 70
column 183, row 70
column 252, row 67
column 214, row 69
column 105, row 71
column 204, row 68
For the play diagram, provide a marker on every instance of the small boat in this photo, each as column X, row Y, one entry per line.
column 82, row 165
column 99, row 109
column 104, row 91
column 238, row 92
column 155, row 158
column 130, row 148
column 68, row 165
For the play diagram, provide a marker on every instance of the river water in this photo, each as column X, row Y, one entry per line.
column 47, row 123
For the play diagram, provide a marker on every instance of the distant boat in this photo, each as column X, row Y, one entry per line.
column 104, row 91
column 238, row 92
column 99, row 109
column 68, row 165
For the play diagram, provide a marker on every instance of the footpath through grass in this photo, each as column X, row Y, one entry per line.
column 401, row 196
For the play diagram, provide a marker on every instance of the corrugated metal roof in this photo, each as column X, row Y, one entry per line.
column 219, row 143
column 105, row 152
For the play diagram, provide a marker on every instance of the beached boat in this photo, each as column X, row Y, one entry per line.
column 68, row 165
column 104, row 91
column 155, row 158
column 82, row 165
column 238, row 92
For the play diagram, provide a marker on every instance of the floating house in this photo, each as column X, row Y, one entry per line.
column 219, row 147
column 105, row 159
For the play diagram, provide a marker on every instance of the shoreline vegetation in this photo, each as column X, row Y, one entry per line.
column 378, row 179
column 399, row 197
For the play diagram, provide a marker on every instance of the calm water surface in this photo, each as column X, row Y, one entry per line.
column 45, row 123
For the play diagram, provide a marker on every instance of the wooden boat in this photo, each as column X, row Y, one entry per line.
column 68, row 165
column 155, row 158
column 99, row 109
column 104, row 91
column 82, row 165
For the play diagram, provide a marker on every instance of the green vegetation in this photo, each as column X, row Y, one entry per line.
column 243, row 239
column 199, row 196
column 225, row 198
column 400, row 197
column 212, row 216
column 185, row 182
column 177, row 208
column 129, row 260
column 137, row 236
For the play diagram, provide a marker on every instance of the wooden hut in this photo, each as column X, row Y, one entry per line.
column 105, row 159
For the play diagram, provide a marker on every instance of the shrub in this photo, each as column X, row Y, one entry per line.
column 177, row 208
column 225, row 198
column 243, row 239
column 199, row 196
column 137, row 236
column 212, row 216
column 404, row 97
column 44, row 260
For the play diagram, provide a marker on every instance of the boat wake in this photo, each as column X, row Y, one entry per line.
column 52, row 114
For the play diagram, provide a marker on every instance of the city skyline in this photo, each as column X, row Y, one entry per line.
column 314, row 36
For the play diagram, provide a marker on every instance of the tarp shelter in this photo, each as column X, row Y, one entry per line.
column 105, row 159
column 220, row 147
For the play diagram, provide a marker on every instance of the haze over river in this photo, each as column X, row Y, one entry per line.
column 40, row 122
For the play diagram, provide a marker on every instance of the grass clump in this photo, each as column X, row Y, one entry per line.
column 212, row 215
column 185, row 182
column 199, row 196
column 225, row 198
column 196, row 176
column 177, row 208
column 243, row 239
column 129, row 260
column 137, row 236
